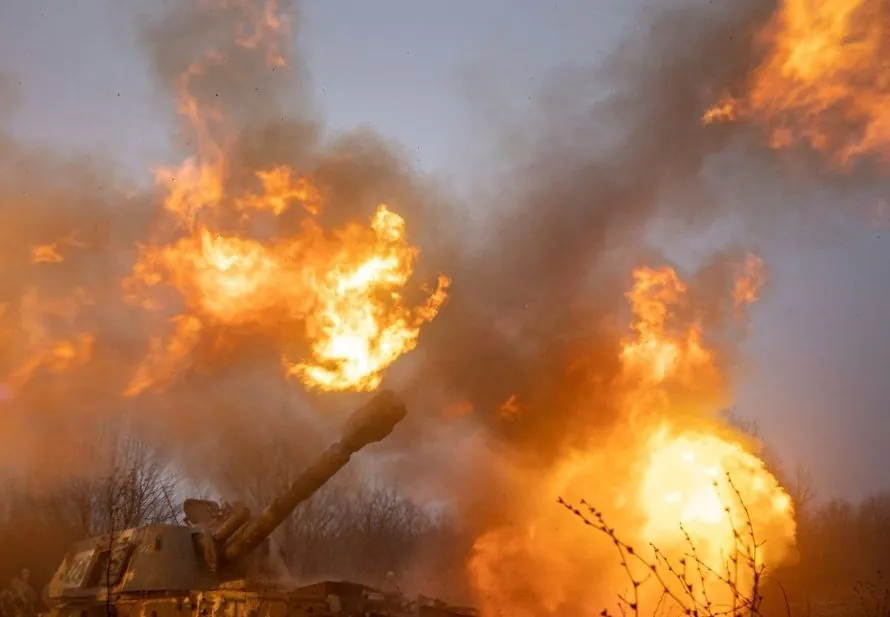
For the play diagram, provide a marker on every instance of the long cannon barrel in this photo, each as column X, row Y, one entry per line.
column 371, row 423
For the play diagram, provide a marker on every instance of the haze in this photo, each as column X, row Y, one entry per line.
column 441, row 80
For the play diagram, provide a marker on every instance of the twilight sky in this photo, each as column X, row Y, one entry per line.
column 417, row 72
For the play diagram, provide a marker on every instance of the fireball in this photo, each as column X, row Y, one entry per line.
column 338, row 294
column 49, row 337
column 671, row 485
column 335, row 306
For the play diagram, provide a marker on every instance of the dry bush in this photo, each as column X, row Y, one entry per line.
column 874, row 597
column 686, row 585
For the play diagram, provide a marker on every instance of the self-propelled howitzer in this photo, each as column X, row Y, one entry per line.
column 211, row 566
column 371, row 423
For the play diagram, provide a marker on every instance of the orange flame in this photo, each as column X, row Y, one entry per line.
column 58, row 357
column 651, row 352
column 823, row 82
column 688, row 492
column 265, row 25
column 52, row 252
column 341, row 290
column 750, row 279
column 457, row 409
column 46, row 253
column 509, row 408
column 44, row 344
column 338, row 292
column 659, row 475
column 360, row 325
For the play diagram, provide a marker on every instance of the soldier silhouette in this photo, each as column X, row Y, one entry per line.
column 21, row 595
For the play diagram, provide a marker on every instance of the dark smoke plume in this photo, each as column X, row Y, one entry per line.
column 544, row 287
column 217, row 415
column 535, row 307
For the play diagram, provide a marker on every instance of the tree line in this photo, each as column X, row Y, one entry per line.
column 359, row 529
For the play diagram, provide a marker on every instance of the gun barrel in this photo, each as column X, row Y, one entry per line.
column 371, row 423
column 240, row 515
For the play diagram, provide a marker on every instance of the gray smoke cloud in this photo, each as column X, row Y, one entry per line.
column 547, row 283
column 541, row 289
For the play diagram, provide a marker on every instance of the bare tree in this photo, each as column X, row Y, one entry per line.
column 126, row 483
column 354, row 527
column 138, row 490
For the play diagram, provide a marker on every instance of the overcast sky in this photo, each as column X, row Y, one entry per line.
column 818, row 382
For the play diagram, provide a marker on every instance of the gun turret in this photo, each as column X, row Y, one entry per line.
column 216, row 545
column 371, row 423
column 211, row 565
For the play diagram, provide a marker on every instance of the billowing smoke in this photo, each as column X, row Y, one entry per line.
column 538, row 303
column 521, row 370
column 73, row 228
